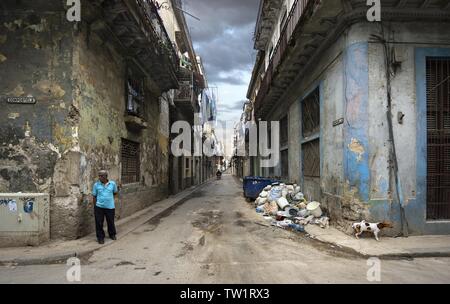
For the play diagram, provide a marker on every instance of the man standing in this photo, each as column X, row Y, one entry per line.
column 104, row 192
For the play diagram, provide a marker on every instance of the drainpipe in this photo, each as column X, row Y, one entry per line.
column 393, row 161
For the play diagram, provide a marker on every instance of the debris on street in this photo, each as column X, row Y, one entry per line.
column 285, row 206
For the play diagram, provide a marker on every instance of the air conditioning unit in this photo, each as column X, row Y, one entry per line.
column 24, row 219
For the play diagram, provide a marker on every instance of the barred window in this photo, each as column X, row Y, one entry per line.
column 135, row 95
column 438, row 137
column 311, row 133
column 130, row 156
column 311, row 114
column 284, row 132
column 311, row 158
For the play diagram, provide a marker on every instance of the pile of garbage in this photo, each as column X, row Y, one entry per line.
column 285, row 206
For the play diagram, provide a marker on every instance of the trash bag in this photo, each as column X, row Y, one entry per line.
column 323, row 222
column 297, row 227
column 282, row 224
column 275, row 193
column 293, row 212
column 303, row 213
column 262, row 201
column 299, row 197
column 257, row 201
column 302, row 205
column 271, row 208
column 260, row 209
column 263, row 194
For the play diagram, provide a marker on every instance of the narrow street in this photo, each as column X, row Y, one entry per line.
column 216, row 237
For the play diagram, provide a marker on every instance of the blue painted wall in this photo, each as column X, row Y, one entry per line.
column 356, row 79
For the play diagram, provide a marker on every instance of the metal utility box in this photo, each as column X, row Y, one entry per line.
column 24, row 219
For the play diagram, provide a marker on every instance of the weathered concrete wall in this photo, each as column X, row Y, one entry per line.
column 356, row 182
column 58, row 145
column 36, row 52
column 355, row 156
column 100, row 76
column 327, row 74
column 411, row 39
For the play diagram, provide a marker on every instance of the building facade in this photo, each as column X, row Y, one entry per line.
column 104, row 90
column 363, row 107
column 189, row 103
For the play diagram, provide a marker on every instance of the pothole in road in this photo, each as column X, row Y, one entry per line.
column 186, row 248
column 210, row 221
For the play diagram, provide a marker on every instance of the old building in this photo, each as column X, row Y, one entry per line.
column 192, row 102
column 185, row 101
column 363, row 107
column 101, row 90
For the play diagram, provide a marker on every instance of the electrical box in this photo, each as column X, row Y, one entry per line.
column 24, row 219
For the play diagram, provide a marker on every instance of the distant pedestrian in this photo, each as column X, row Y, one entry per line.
column 104, row 192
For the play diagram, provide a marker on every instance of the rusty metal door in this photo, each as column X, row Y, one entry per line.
column 438, row 131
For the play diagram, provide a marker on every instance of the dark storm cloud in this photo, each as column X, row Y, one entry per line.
column 223, row 37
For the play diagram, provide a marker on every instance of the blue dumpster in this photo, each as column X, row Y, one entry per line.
column 254, row 185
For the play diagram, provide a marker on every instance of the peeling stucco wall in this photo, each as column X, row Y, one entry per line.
column 35, row 138
column 99, row 75
column 57, row 145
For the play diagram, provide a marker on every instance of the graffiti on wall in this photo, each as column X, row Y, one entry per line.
column 10, row 204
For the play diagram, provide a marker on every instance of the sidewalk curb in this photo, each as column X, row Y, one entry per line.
column 61, row 258
column 387, row 256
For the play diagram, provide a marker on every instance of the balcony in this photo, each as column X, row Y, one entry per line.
column 295, row 15
column 190, row 86
column 136, row 27
column 313, row 26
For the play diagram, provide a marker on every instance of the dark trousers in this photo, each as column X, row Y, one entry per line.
column 100, row 214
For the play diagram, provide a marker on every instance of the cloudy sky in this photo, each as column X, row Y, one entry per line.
column 223, row 38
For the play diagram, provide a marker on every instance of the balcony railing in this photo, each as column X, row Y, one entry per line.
column 297, row 11
column 185, row 93
column 156, row 24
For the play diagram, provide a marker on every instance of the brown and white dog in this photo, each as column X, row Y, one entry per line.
column 375, row 228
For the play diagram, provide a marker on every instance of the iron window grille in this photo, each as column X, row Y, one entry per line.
column 130, row 157
column 311, row 114
column 438, row 138
column 311, row 135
